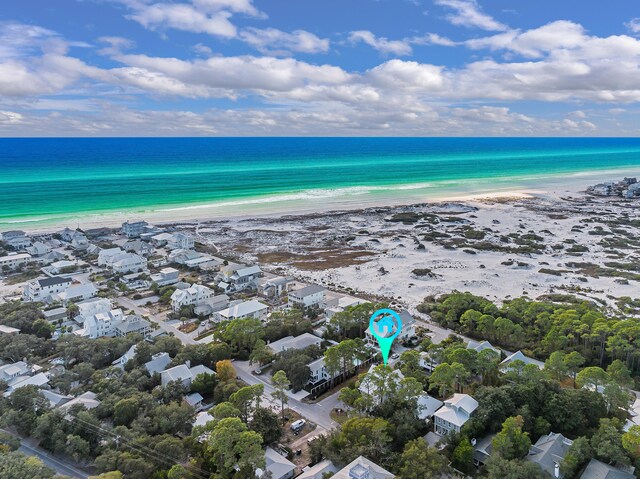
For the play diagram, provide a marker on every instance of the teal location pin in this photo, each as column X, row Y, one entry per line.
column 384, row 330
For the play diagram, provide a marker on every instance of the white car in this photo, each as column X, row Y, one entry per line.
column 297, row 425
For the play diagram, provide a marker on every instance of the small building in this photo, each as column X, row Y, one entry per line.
column 88, row 400
column 158, row 363
column 599, row 470
column 55, row 315
column 39, row 290
column 14, row 261
column 299, row 342
column 194, row 400
column 166, row 276
column 454, row 414
column 246, row 309
column 318, row 471
column 133, row 229
column 363, row 468
column 481, row 346
column 428, row 406
column 307, row 297
column 548, row 452
column 482, row 449
column 505, row 365
column 276, row 466
column 8, row 330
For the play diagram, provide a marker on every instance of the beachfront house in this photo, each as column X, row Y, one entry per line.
column 16, row 239
column 13, row 261
column 307, row 297
column 133, row 229
column 454, row 414
column 79, row 242
column 40, row 290
column 246, row 309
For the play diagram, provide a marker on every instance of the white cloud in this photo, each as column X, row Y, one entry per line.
column 383, row 45
column 468, row 14
column 633, row 25
column 274, row 41
column 10, row 117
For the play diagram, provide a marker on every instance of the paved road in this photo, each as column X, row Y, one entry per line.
column 129, row 304
column 58, row 465
column 316, row 412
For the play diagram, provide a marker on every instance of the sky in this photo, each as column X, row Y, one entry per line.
column 319, row 68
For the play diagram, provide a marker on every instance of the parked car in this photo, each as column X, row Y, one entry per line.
column 297, row 425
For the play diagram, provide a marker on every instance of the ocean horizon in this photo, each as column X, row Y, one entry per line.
column 49, row 181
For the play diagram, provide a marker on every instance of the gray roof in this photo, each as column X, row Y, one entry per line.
column 133, row 325
column 158, row 363
column 308, row 290
column 548, row 451
column 44, row 282
column 599, row 470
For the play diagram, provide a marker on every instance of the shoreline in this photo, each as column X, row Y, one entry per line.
column 305, row 203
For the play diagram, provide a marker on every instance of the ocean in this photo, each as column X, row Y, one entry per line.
column 53, row 181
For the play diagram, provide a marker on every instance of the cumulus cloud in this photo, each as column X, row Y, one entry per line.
column 633, row 25
column 274, row 41
column 383, row 45
column 467, row 13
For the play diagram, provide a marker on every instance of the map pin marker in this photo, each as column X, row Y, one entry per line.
column 384, row 330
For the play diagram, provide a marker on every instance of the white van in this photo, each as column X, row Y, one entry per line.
column 297, row 425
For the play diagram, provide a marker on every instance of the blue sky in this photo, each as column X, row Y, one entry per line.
column 301, row 67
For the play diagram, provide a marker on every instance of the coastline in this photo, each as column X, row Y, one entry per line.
column 325, row 201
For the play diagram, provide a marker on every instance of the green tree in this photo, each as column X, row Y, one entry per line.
column 360, row 436
column 462, row 458
column 499, row 468
column 607, row 442
column 204, row 383
column 247, row 400
column 231, row 445
column 556, row 366
column 631, row 441
column 574, row 361
column 261, row 353
column 579, row 453
column 280, row 383
column 242, row 334
column 447, row 376
column 420, row 461
column 267, row 424
column 511, row 442
column 16, row 466
column 592, row 377
column 125, row 411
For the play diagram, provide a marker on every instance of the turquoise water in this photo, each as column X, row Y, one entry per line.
column 46, row 180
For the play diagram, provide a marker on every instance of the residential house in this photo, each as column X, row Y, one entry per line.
column 105, row 257
column 407, row 331
column 428, row 406
column 599, row 470
column 37, row 380
column 299, row 342
column 80, row 292
column 634, row 415
column 193, row 259
column 79, row 242
column 66, row 234
column 363, row 468
column 192, row 296
column 38, row 290
column 13, row 261
column 183, row 373
column 138, row 247
column 20, row 374
column 158, row 363
column 318, row 471
column 246, row 309
column 56, row 314
column 126, row 357
column 319, row 372
column 239, row 278
column 482, row 449
column 307, row 297
column 181, row 241
column 160, row 239
column 548, row 452
column 133, row 325
column 128, row 263
column 88, row 400
column 166, row 276
column 61, row 267
column 11, row 371
column 8, row 330
column 339, row 304
column 274, row 287
column 16, row 239
column 276, row 466
column 454, row 414
column 55, row 399
column 194, row 400
column 91, row 307
column 102, row 324
column 133, row 229
column 38, row 249
column 481, row 346
column 505, row 365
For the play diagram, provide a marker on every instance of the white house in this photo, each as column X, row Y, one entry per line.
column 183, row 373
column 192, row 296
column 158, row 363
column 38, row 249
column 138, row 247
column 363, row 468
column 276, row 466
column 307, row 297
column 454, row 414
column 80, row 292
column 299, row 342
column 16, row 239
column 505, row 365
column 102, row 324
column 181, row 241
column 128, row 263
column 92, row 307
column 106, row 255
column 239, row 278
column 13, row 261
column 133, row 324
column 481, row 346
column 44, row 288
column 274, row 287
column 166, row 276
column 339, row 304
column 20, row 374
column 246, row 309
column 133, row 229
column 161, row 239
column 88, row 400
column 126, row 357
column 79, row 242
column 407, row 331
